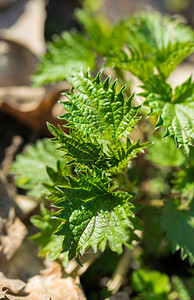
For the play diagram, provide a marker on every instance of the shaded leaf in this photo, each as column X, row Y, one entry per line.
column 48, row 243
column 30, row 168
column 163, row 152
column 179, row 227
column 184, row 178
column 151, row 284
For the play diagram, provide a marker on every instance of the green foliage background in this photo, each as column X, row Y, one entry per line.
column 90, row 175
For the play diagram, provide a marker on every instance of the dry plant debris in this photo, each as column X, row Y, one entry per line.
column 32, row 106
column 49, row 285
column 12, row 230
column 20, row 45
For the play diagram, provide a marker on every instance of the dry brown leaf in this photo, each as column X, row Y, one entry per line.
column 50, row 285
column 13, row 234
column 25, row 263
column 58, row 288
column 15, row 286
column 17, row 63
column 27, row 28
column 21, row 41
column 33, row 107
column 12, row 230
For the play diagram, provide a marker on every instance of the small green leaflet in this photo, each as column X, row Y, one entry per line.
column 46, row 240
column 30, row 168
column 101, row 34
column 96, row 109
column 91, row 215
column 48, row 243
column 179, row 227
column 65, row 54
column 173, row 55
column 175, row 111
column 120, row 154
column 159, row 152
column 181, row 289
column 137, row 65
column 151, row 284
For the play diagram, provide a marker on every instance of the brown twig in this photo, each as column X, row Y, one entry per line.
column 10, row 153
column 121, row 270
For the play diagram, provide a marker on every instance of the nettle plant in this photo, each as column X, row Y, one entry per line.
column 91, row 174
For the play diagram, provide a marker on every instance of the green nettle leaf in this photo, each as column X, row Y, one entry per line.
column 65, row 54
column 96, row 109
column 157, row 31
column 90, row 153
column 80, row 150
column 163, row 152
column 91, row 215
column 176, row 112
column 101, row 117
column 173, row 55
column 137, row 65
column 30, row 168
column 154, row 43
column 179, row 227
